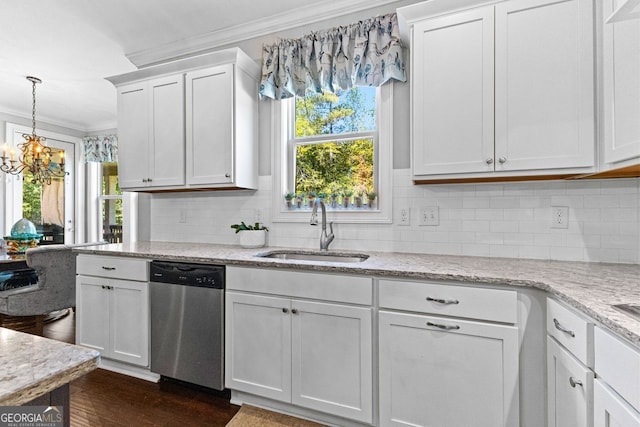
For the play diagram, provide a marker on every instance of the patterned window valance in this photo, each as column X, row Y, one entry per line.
column 367, row 53
column 100, row 149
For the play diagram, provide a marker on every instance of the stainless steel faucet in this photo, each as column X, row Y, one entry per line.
column 325, row 239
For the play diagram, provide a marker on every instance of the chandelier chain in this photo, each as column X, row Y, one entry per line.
column 33, row 110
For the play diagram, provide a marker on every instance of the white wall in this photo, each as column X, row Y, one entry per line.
column 498, row 220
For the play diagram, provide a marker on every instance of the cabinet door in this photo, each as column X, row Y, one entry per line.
column 210, row 119
column 129, row 321
column 544, row 84
column 610, row 410
column 569, row 388
column 133, row 135
column 258, row 345
column 452, row 94
column 92, row 313
column 438, row 371
column 621, row 86
column 167, row 131
column 331, row 359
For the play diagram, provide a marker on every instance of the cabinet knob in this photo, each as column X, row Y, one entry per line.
column 573, row 383
column 104, row 287
column 489, row 161
column 285, row 310
column 294, row 311
column 149, row 180
column 227, row 175
column 502, row 159
column 144, row 180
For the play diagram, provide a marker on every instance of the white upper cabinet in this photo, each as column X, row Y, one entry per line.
column 544, row 85
column 503, row 90
column 621, row 68
column 453, row 93
column 189, row 124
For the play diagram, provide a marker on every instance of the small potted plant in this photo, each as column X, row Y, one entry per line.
column 359, row 195
column 371, row 197
column 251, row 236
column 346, row 195
column 334, row 200
column 299, row 201
column 311, row 195
column 288, row 197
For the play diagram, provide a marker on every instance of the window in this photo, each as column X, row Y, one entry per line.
column 336, row 147
column 111, row 203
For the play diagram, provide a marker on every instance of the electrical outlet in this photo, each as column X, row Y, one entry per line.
column 182, row 215
column 404, row 216
column 559, row 217
column 429, row 215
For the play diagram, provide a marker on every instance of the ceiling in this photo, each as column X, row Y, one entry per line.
column 73, row 44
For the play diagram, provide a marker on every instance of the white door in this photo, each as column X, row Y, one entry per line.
column 51, row 208
column 166, row 158
column 129, row 321
column 258, row 345
column 621, row 49
column 544, row 94
column 92, row 313
column 446, row 372
column 569, row 389
column 610, row 410
column 452, row 87
column 332, row 359
column 133, row 135
column 209, row 125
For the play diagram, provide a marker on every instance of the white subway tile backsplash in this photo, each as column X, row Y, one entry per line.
column 495, row 219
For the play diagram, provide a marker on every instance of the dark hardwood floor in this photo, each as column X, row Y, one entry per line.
column 104, row 398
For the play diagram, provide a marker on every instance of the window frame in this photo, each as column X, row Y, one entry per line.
column 283, row 167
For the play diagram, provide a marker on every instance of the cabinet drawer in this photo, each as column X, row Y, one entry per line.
column 618, row 364
column 113, row 267
column 321, row 286
column 574, row 332
column 461, row 301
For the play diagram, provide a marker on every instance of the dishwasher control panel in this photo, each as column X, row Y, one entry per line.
column 189, row 274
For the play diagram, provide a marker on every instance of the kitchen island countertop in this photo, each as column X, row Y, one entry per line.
column 589, row 287
column 31, row 366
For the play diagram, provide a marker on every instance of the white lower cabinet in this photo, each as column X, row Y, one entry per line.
column 317, row 355
column 113, row 318
column 569, row 388
column 437, row 371
column 610, row 410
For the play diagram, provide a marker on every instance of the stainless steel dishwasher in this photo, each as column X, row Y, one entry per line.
column 187, row 322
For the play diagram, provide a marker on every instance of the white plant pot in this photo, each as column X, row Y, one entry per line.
column 253, row 238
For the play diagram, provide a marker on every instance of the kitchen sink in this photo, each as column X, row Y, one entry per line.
column 632, row 310
column 315, row 256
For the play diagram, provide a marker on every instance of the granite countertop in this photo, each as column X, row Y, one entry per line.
column 31, row 366
column 589, row 287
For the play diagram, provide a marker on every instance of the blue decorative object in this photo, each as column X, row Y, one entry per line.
column 23, row 236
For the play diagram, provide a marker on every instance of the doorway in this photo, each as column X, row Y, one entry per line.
column 51, row 207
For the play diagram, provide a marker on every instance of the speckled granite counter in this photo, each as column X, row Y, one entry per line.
column 589, row 287
column 31, row 366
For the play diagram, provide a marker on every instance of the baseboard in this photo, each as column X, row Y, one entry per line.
column 126, row 369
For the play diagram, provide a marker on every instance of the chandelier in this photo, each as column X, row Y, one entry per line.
column 33, row 155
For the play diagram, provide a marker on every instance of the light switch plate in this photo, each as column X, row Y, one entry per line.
column 429, row 215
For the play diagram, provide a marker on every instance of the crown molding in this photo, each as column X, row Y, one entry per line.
column 238, row 33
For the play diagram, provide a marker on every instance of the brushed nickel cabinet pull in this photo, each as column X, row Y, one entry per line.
column 563, row 329
column 108, row 268
column 443, row 301
column 445, row 327
column 574, row 383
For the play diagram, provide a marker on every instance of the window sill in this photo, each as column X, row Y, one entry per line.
column 364, row 215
